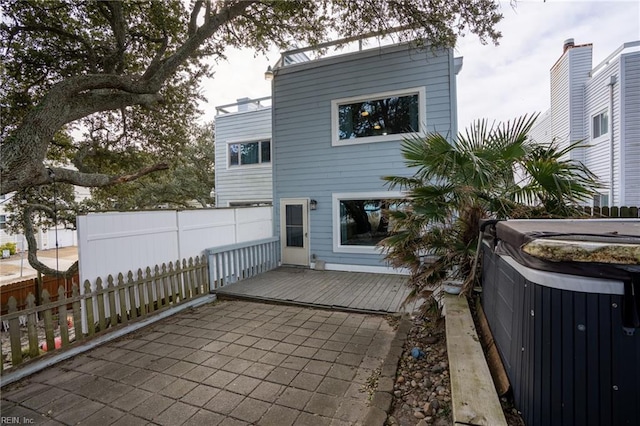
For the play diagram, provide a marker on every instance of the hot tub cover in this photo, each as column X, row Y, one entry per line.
column 601, row 248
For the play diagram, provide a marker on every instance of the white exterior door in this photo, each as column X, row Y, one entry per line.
column 294, row 231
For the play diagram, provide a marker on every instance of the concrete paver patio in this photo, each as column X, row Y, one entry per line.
column 227, row 363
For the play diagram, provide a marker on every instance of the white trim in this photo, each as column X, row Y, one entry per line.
column 565, row 281
column 363, row 268
column 306, row 217
column 260, row 165
column 422, row 116
column 335, row 217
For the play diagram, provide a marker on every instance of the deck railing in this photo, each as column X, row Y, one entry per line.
column 52, row 325
column 235, row 262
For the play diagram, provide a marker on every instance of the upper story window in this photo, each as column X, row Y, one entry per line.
column 247, row 153
column 3, row 221
column 600, row 124
column 378, row 117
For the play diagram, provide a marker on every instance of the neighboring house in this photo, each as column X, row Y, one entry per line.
column 45, row 238
column 601, row 106
column 243, row 153
column 337, row 127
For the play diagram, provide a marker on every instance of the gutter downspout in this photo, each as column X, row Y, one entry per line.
column 612, row 82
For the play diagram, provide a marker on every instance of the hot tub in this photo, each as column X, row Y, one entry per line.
column 567, row 326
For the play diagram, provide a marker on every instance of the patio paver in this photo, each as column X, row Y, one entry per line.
column 256, row 364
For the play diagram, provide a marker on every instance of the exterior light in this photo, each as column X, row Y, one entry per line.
column 313, row 204
column 268, row 74
column 377, row 127
column 364, row 113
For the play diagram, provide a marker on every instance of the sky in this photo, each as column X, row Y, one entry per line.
column 496, row 82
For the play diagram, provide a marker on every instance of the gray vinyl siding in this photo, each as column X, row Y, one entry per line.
column 248, row 183
column 568, row 77
column 598, row 156
column 630, row 82
column 306, row 165
column 579, row 68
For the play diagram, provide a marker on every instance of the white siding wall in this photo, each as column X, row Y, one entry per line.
column 248, row 183
column 541, row 131
column 598, row 155
column 560, row 81
column 568, row 77
column 580, row 67
column 110, row 243
column 630, row 128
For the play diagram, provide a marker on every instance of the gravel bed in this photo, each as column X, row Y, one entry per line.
column 422, row 391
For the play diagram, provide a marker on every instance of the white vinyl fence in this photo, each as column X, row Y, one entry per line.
column 118, row 242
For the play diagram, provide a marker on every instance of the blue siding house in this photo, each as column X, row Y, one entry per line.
column 338, row 124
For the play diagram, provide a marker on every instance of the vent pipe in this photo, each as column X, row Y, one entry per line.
column 568, row 44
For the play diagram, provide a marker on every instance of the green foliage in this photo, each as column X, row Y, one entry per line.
column 187, row 184
column 9, row 246
column 489, row 171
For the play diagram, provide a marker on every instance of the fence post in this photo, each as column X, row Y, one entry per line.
column 88, row 303
column 77, row 315
column 48, row 322
column 14, row 333
column 113, row 313
column 122, row 297
column 32, row 331
column 62, row 317
column 132, row 296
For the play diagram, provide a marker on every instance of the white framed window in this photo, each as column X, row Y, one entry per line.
column 361, row 220
column 249, row 153
column 601, row 200
column 3, row 221
column 600, row 124
column 378, row 117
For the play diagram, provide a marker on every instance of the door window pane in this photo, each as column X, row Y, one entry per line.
column 294, row 224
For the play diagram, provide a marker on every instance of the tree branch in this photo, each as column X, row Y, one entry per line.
column 99, row 179
column 193, row 19
column 32, row 244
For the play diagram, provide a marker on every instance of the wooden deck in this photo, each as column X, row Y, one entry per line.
column 352, row 291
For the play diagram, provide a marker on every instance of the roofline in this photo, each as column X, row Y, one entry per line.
column 615, row 53
column 568, row 49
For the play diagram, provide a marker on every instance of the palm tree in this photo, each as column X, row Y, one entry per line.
column 490, row 171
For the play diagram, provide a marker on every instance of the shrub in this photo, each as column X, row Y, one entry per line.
column 8, row 246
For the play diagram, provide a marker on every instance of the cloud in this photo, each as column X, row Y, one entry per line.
column 505, row 81
column 496, row 82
